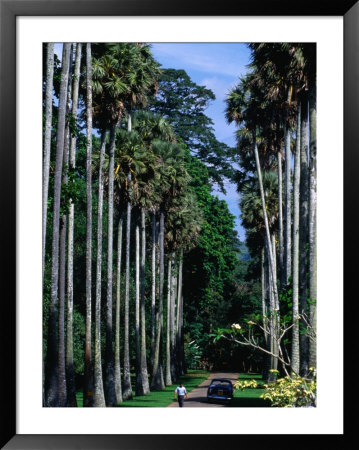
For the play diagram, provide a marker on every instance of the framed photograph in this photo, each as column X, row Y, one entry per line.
column 25, row 26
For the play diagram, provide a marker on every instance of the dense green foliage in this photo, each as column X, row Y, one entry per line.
column 183, row 103
column 156, row 274
column 166, row 165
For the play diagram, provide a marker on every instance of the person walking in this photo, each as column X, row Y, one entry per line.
column 182, row 394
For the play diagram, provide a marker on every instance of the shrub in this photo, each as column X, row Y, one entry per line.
column 291, row 392
column 246, row 384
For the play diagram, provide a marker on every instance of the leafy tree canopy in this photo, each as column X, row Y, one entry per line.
column 183, row 103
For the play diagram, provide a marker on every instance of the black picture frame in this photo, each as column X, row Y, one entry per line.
column 9, row 10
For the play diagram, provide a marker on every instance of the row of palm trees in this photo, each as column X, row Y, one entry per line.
column 140, row 171
column 274, row 107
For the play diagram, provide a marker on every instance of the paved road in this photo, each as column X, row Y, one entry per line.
column 198, row 396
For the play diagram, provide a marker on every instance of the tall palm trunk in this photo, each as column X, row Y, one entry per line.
column 46, row 169
column 264, row 284
column 280, row 219
column 88, row 381
column 127, row 387
column 62, row 276
column 274, row 307
column 144, row 372
column 174, row 368
column 287, row 236
column 313, row 230
column 268, row 236
column 276, row 317
column 295, row 356
column 182, row 360
column 168, row 324
column 47, row 144
column 70, row 372
column 178, row 310
column 110, row 390
column 99, row 397
column 157, row 382
column 62, row 267
column 137, row 313
column 153, row 292
column 303, row 233
column 118, row 309
column 52, row 385
column 272, row 325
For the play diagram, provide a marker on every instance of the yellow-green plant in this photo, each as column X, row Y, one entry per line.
column 246, row 384
column 291, row 392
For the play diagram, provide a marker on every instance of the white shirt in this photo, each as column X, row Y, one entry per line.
column 181, row 390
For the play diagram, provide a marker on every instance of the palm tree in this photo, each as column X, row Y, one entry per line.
column 151, row 127
column 245, row 103
column 88, row 381
column 108, row 87
column 172, row 177
column 157, row 382
column 280, row 210
column 110, row 380
column 179, row 312
column 143, row 361
column 99, row 396
column 295, row 356
column 46, row 165
column 153, row 286
column 289, row 70
column 168, row 323
column 252, row 220
column 127, row 387
column 137, row 79
column 137, row 161
column 52, row 382
column 303, row 227
column 313, row 229
column 242, row 107
column 47, row 142
column 127, row 83
column 137, row 306
column 309, row 51
column 118, row 383
column 276, row 72
column 173, row 354
column 62, row 261
column 70, row 373
column 129, row 160
column 131, row 145
column 288, row 221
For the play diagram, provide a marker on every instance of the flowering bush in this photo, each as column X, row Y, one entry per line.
column 291, row 392
column 245, row 384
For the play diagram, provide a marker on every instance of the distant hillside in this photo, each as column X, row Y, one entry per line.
column 243, row 253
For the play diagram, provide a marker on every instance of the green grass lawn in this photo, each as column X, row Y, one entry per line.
column 160, row 398
column 249, row 397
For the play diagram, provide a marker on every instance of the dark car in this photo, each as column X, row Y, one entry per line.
column 220, row 389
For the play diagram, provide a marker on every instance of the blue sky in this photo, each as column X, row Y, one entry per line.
column 216, row 66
